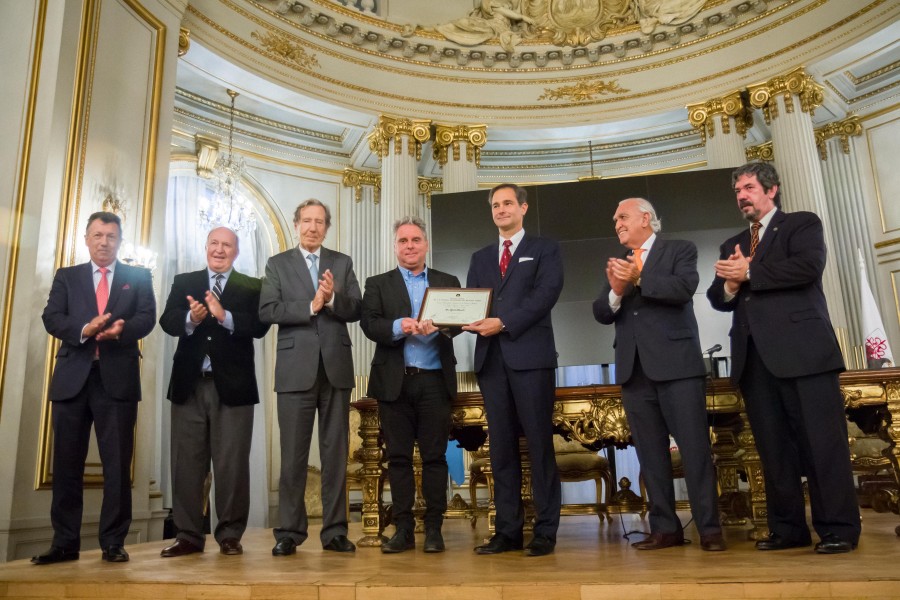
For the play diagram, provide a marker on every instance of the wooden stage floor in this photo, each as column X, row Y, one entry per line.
column 592, row 561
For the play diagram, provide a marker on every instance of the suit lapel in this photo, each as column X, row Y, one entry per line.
column 119, row 280
column 520, row 252
column 769, row 234
column 398, row 287
column 302, row 269
column 653, row 258
column 231, row 287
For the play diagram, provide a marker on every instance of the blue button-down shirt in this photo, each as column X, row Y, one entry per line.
column 419, row 350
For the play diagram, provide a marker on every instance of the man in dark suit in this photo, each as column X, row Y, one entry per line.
column 311, row 293
column 786, row 360
column 98, row 310
column 414, row 380
column 515, row 361
column 649, row 296
column 214, row 313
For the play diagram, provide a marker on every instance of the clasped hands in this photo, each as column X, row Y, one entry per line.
column 97, row 328
column 325, row 291
column 621, row 272
column 200, row 311
column 733, row 269
column 410, row 326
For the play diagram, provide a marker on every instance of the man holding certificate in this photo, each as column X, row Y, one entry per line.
column 413, row 378
column 515, row 361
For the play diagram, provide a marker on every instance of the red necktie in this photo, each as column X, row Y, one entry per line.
column 505, row 257
column 754, row 238
column 102, row 291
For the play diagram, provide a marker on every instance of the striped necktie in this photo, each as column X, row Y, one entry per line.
column 217, row 288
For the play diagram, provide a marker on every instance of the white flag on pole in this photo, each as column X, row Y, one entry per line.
column 878, row 351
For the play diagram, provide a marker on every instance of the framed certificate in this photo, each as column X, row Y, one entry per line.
column 455, row 307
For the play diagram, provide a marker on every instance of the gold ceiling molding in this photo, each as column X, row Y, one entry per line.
column 184, row 41
column 583, row 91
column 876, row 73
column 417, row 132
column 619, row 159
column 580, row 149
column 764, row 152
column 795, row 83
column 839, row 129
column 357, row 179
column 280, row 44
column 429, row 185
column 450, row 136
column 701, row 115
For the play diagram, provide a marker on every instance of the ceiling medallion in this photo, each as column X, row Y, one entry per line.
column 578, row 22
column 583, row 91
column 285, row 48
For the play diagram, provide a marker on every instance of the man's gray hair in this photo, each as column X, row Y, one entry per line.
column 645, row 207
column 411, row 220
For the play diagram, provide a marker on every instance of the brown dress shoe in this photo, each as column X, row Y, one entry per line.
column 180, row 548
column 231, row 547
column 658, row 541
column 714, row 542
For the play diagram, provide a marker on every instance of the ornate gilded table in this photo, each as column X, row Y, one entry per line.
column 593, row 415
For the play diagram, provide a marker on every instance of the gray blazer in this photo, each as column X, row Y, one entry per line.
column 287, row 291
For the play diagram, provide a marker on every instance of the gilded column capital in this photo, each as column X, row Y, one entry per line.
column 207, row 150
column 701, row 115
column 184, row 41
column 395, row 128
column 357, row 179
column 429, row 185
column 796, row 83
column 449, row 136
column 764, row 152
column 840, row 129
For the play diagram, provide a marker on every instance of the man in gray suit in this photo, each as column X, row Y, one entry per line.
column 311, row 293
column 649, row 296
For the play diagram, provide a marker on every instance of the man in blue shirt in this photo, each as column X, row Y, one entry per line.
column 413, row 378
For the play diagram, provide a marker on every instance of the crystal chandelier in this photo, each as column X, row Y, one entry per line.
column 138, row 256
column 227, row 207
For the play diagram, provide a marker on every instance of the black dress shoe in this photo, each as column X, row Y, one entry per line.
column 180, row 547
column 284, row 547
column 499, row 543
column 340, row 543
column 541, row 545
column 54, row 555
column 401, row 541
column 231, row 547
column 434, row 541
column 777, row 542
column 115, row 554
column 832, row 544
column 658, row 541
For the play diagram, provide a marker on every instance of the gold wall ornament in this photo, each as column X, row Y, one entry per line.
column 429, row 185
column 579, row 22
column 839, row 129
column 184, row 41
column 700, row 115
column 450, row 136
column 357, row 179
column 286, row 49
column 795, row 83
column 764, row 152
column 583, row 91
column 417, row 132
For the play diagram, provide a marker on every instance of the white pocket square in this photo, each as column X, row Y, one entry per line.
column 525, row 258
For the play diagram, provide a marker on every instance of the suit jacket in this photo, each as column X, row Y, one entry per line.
column 656, row 320
column 230, row 354
column 287, row 291
column 385, row 300
column 522, row 300
column 782, row 306
column 73, row 303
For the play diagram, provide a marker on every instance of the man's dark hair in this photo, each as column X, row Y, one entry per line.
column 521, row 193
column 765, row 174
column 106, row 217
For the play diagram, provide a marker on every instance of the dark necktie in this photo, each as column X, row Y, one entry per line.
column 314, row 270
column 217, row 288
column 754, row 238
column 505, row 257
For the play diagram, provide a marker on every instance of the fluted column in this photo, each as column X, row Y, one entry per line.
column 787, row 103
column 365, row 249
column 457, row 148
column 398, row 142
column 723, row 123
column 846, row 201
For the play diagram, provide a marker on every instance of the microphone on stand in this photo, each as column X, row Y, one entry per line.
column 713, row 367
